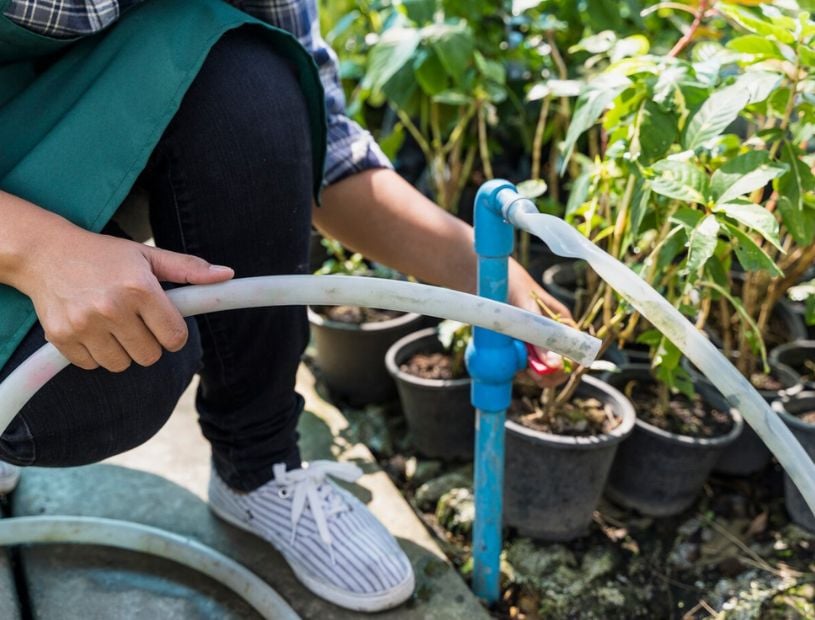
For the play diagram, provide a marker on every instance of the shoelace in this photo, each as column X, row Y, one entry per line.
column 309, row 485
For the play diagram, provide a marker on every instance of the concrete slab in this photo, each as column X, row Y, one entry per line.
column 9, row 603
column 173, row 501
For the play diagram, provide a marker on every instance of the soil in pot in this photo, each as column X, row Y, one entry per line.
column 660, row 470
column 350, row 352
column 798, row 413
column 553, row 482
column 357, row 314
column 435, row 399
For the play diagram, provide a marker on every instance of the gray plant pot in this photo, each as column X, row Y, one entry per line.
column 748, row 454
column 351, row 358
column 660, row 473
column 793, row 355
column 553, row 482
column 439, row 415
column 805, row 433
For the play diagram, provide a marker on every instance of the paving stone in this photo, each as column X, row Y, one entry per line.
column 9, row 603
column 173, row 500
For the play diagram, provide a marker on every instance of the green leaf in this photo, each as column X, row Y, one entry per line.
column 702, row 244
column 807, row 55
column 673, row 246
column 754, row 44
column 754, row 217
column 430, row 73
column 393, row 51
column 792, row 187
column 715, row 115
column 639, row 206
column 680, row 180
column 578, row 193
column 743, row 175
column 754, row 23
column 454, row 46
column 688, row 217
column 490, row 69
column 592, row 103
column 759, row 84
column 657, row 131
column 750, row 255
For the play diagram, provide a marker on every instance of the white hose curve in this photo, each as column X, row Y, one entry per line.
column 143, row 538
column 564, row 240
column 44, row 364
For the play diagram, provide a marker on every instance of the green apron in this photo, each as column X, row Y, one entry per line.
column 75, row 135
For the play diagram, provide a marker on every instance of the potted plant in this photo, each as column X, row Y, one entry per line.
column 798, row 412
column 558, row 455
column 434, row 390
column 676, row 443
column 351, row 341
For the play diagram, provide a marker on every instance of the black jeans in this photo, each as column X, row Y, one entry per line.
column 230, row 181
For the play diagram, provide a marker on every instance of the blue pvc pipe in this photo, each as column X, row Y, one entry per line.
column 492, row 361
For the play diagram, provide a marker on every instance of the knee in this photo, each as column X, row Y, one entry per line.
column 247, row 98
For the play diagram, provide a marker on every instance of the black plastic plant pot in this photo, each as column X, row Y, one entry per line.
column 552, row 483
column 660, row 473
column 563, row 280
column 794, row 356
column 748, row 454
column 351, row 357
column 790, row 411
column 439, row 415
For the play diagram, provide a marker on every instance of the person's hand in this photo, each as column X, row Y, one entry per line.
column 523, row 291
column 99, row 300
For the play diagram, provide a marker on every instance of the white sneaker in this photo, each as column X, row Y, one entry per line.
column 9, row 477
column 332, row 542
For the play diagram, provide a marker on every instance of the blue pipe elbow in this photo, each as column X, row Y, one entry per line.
column 494, row 236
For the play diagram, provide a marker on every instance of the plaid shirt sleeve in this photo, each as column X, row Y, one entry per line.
column 351, row 149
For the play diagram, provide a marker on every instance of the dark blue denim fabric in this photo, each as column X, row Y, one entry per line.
column 230, row 181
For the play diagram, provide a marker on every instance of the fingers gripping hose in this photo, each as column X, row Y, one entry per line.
column 35, row 372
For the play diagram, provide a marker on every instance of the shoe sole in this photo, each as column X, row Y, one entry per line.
column 9, row 482
column 355, row 602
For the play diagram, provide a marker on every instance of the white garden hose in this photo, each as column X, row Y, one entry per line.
column 37, row 370
column 151, row 540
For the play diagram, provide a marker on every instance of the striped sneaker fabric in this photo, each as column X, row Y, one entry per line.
column 9, row 477
column 332, row 542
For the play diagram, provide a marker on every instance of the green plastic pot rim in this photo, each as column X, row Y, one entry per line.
column 791, row 419
column 585, row 442
column 401, row 375
column 687, row 440
column 317, row 319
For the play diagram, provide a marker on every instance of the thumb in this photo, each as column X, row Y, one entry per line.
column 184, row 268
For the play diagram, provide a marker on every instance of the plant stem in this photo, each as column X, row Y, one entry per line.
column 537, row 143
column 482, row 141
column 688, row 36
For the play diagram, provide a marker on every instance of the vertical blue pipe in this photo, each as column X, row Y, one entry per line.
column 492, row 361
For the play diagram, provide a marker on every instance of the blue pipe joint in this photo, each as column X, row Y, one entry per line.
column 492, row 366
column 494, row 236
